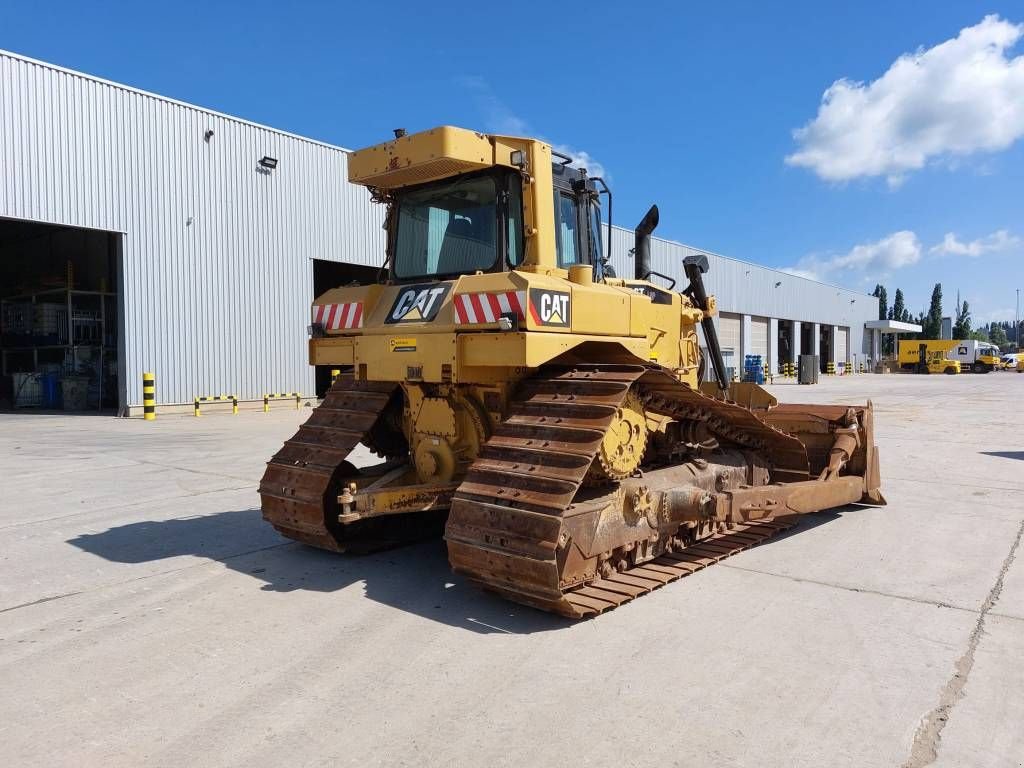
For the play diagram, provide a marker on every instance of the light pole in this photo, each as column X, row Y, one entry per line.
column 1016, row 323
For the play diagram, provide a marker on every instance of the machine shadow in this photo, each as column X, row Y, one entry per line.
column 1019, row 455
column 415, row 578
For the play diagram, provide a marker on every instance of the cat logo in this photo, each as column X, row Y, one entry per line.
column 550, row 308
column 418, row 303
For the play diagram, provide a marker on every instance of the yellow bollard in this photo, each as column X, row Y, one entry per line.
column 195, row 408
column 296, row 401
column 148, row 396
column 335, row 373
column 266, row 404
column 234, row 405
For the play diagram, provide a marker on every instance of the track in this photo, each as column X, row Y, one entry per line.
column 505, row 529
column 613, row 591
column 300, row 486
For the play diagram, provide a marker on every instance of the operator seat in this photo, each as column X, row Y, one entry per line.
column 462, row 250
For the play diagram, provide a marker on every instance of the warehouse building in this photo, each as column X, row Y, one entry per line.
column 139, row 233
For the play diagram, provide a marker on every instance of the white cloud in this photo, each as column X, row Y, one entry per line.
column 580, row 159
column 960, row 97
column 499, row 118
column 895, row 251
column 809, row 274
column 991, row 316
column 1000, row 240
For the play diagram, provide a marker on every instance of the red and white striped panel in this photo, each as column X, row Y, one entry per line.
column 474, row 308
column 337, row 317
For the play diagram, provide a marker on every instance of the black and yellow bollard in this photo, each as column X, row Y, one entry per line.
column 266, row 404
column 335, row 373
column 831, row 369
column 297, row 401
column 148, row 396
column 234, row 405
column 195, row 408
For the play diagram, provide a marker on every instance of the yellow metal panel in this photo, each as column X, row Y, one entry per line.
column 600, row 310
column 331, row 351
column 421, row 157
column 390, row 357
column 529, row 350
column 539, row 208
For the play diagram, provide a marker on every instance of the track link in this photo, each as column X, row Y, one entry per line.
column 300, row 486
column 505, row 529
column 611, row 592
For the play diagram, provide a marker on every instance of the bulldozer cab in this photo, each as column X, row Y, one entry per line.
column 473, row 223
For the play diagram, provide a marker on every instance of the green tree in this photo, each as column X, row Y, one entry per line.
column 962, row 326
column 932, row 325
column 997, row 334
column 899, row 310
column 981, row 335
column 883, row 301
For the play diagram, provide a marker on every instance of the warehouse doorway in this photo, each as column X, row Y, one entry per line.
column 335, row 274
column 60, row 318
column 783, row 345
column 824, row 347
column 806, row 339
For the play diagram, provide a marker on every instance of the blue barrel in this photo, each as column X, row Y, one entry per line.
column 51, row 390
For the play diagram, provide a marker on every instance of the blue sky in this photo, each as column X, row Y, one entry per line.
column 910, row 173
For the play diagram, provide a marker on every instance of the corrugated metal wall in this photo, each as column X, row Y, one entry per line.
column 216, row 251
column 751, row 289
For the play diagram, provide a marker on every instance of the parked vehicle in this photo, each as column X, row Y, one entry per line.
column 973, row 355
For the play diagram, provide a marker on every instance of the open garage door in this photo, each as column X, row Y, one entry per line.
column 729, row 338
column 59, row 317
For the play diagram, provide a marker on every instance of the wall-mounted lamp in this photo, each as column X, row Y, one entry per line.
column 778, row 283
column 268, row 162
column 208, row 135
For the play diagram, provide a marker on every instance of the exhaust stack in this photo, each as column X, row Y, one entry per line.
column 642, row 244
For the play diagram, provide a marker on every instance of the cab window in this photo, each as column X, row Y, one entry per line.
column 595, row 235
column 565, row 225
column 514, row 222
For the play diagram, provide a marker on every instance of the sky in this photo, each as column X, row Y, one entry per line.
column 858, row 142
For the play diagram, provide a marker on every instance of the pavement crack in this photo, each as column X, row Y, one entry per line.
column 929, row 733
column 169, row 571
column 847, row 587
column 136, row 504
column 40, row 600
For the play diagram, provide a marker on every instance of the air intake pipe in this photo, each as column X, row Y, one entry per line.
column 642, row 244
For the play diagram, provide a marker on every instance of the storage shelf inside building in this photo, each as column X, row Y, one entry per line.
column 58, row 323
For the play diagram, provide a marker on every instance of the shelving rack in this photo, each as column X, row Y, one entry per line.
column 85, row 326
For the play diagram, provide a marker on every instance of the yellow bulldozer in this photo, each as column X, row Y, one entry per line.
column 552, row 416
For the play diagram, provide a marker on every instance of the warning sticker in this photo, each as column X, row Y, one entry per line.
column 402, row 344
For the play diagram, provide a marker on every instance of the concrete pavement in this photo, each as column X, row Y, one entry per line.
column 149, row 617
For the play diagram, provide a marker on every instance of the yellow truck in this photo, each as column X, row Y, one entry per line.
column 972, row 355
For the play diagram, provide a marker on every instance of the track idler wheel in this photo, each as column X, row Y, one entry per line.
column 623, row 446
